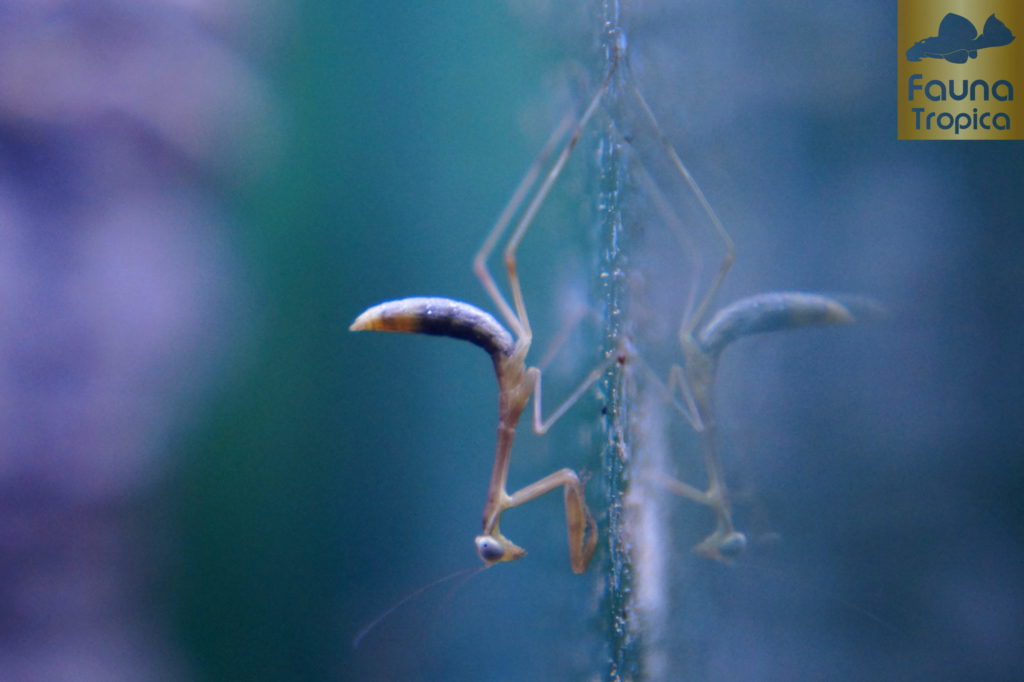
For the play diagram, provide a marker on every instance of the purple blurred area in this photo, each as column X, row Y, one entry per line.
column 121, row 126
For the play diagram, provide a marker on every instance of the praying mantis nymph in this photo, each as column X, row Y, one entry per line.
column 516, row 381
column 516, row 384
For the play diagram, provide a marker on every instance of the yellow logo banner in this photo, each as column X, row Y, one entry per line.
column 960, row 64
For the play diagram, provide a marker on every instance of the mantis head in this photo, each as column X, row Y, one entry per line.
column 723, row 546
column 495, row 548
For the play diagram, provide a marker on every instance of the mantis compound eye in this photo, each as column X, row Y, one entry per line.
column 489, row 549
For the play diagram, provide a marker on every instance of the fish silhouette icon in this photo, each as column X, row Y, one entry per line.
column 959, row 41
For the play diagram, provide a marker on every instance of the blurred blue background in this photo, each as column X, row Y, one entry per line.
column 206, row 477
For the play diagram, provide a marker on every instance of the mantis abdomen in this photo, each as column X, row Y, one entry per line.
column 438, row 317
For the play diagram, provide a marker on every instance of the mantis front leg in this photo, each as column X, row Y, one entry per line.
column 492, row 546
column 580, row 525
column 725, row 542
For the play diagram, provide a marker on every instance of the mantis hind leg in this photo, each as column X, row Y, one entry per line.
column 515, row 314
column 690, row 322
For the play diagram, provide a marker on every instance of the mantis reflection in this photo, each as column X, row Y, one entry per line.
column 704, row 336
